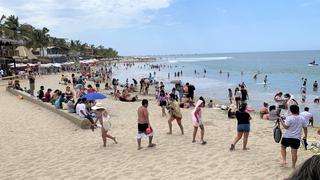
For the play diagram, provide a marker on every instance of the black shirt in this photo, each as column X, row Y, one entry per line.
column 243, row 117
column 191, row 89
column 244, row 94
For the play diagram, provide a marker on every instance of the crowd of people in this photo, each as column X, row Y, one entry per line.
column 171, row 102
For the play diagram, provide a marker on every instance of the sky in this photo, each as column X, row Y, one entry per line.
column 159, row 27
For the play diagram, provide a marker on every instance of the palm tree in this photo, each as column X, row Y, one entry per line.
column 12, row 27
column 41, row 39
column 26, row 34
column 3, row 17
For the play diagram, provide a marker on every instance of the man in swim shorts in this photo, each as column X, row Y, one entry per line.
column 144, row 124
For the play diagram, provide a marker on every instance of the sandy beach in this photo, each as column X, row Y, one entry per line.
column 39, row 144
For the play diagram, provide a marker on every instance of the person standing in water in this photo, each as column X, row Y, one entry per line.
column 197, row 122
column 144, row 124
column 175, row 113
column 103, row 118
column 255, row 77
column 315, row 86
column 265, row 79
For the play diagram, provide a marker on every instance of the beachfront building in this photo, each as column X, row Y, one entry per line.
column 7, row 53
column 89, row 51
column 53, row 53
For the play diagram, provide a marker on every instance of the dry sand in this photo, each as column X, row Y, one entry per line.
column 38, row 144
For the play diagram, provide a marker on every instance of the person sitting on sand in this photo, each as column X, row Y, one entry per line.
column 71, row 105
column 291, row 138
column 309, row 170
column 103, row 118
column 126, row 97
column 59, row 100
column 117, row 95
column 55, row 95
column 68, row 93
column 132, row 88
column 273, row 114
column 144, row 124
column 90, row 89
column 264, row 110
column 41, row 93
column 175, row 113
column 47, row 95
column 197, row 122
column 243, row 127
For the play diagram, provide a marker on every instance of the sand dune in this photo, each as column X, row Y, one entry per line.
column 38, row 144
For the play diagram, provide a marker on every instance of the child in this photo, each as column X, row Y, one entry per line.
column 210, row 104
column 197, row 121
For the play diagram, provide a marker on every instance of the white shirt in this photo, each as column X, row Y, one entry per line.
column 295, row 123
column 79, row 108
column 307, row 116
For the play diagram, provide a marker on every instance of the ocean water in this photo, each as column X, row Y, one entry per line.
column 285, row 71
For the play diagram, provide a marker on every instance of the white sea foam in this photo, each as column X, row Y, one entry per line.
column 198, row 59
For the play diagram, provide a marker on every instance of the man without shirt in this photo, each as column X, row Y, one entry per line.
column 144, row 124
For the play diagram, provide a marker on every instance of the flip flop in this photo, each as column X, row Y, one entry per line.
column 204, row 142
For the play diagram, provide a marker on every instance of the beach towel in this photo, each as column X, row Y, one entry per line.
column 277, row 133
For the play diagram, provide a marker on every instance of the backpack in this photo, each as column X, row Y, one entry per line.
column 277, row 133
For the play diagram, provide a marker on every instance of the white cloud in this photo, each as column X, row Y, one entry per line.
column 72, row 15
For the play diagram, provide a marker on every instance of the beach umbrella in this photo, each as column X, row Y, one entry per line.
column 94, row 96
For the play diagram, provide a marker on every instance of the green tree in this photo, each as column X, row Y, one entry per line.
column 11, row 27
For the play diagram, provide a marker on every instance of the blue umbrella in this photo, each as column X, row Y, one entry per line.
column 94, row 96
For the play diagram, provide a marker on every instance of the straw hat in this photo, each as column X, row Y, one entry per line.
column 98, row 106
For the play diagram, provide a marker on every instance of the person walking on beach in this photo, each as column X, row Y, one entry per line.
column 191, row 90
column 175, row 113
column 230, row 96
column 144, row 126
column 243, row 127
column 31, row 83
column 197, row 122
column 103, row 118
column 237, row 97
column 244, row 94
column 291, row 138
column 162, row 98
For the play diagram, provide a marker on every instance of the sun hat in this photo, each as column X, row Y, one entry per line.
column 98, row 106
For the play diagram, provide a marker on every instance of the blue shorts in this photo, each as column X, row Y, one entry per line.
column 243, row 128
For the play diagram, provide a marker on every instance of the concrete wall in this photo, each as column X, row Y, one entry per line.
column 84, row 124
